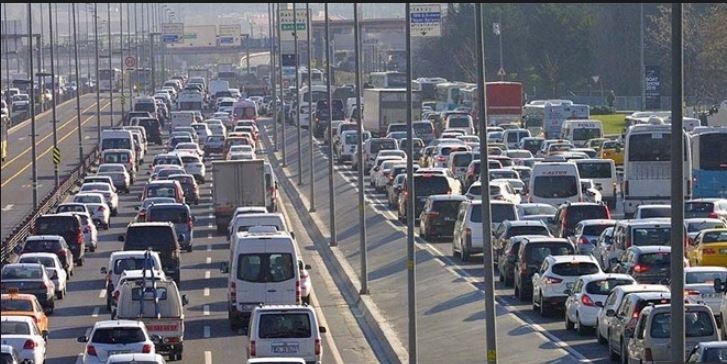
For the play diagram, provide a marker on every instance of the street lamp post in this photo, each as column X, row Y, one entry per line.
column 98, row 90
column 153, row 63
column 32, row 109
column 111, row 86
column 53, row 101
column 78, row 94
column 312, row 207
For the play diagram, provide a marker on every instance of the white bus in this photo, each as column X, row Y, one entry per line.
column 109, row 79
column 388, row 79
column 545, row 117
column 647, row 166
column 451, row 95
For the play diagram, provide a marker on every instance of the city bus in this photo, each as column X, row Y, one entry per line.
column 545, row 117
column 647, row 166
column 451, row 95
column 4, row 128
column 709, row 162
column 388, row 79
column 109, row 79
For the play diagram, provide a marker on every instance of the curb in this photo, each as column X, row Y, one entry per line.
column 380, row 335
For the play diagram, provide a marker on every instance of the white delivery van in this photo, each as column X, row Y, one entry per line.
column 580, row 131
column 182, row 118
column 117, row 138
column 244, row 222
column 603, row 174
column 278, row 331
column 555, row 183
column 512, row 137
column 262, row 270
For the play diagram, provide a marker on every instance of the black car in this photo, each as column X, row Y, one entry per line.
column 508, row 258
column 67, row 226
column 570, row 214
column 510, row 228
column 157, row 236
column 30, row 278
column 153, row 129
column 533, row 251
column 425, row 184
column 439, row 215
column 189, row 185
column 647, row 264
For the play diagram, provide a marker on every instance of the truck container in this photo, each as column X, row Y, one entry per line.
column 388, row 105
column 236, row 183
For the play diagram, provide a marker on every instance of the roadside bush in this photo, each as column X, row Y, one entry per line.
column 602, row 110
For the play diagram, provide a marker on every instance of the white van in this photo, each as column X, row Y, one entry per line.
column 603, row 174
column 182, row 118
column 580, row 131
column 243, row 222
column 117, row 139
column 277, row 331
column 271, row 188
column 511, row 137
column 555, row 183
column 262, row 270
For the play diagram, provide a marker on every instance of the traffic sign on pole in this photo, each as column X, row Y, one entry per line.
column 56, row 156
column 130, row 62
column 172, row 32
column 287, row 28
column 501, row 72
column 426, row 20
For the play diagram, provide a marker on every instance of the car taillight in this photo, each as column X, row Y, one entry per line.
column 713, row 215
column 29, row 345
column 233, row 292
column 147, row 348
column 252, row 352
column 297, row 291
column 90, row 350
column 79, row 236
column 319, row 349
column 116, row 295
column 583, row 240
column 691, row 292
column 432, row 214
column 638, row 268
column 586, row 300
column 552, row 280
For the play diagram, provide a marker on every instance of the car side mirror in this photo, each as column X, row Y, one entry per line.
column 292, row 234
column 104, row 271
column 155, row 338
column 82, row 339
column 719, row 286
column 610, row 312
column 568, row 292
column 44, row 333
column 185, row 300
column 181, row 237
column 224, row 268
column 120, row 238
column 322, row 329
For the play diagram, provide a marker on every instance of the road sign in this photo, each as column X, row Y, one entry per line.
column 172, row 32
column 130, row 61
column 229, row 35
column 501, row 72
column 227, row 40
column 288, row 29
column 426, row 20
column 56, row 156
column 123, row 99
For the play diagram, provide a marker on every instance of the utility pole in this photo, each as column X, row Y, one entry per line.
column 32, row 109
column 98, row 90
column 121, row 54
column 642, row 68
column 282, row 93
column 78, row 94
column 331, row 199
column 298, row 96
column 111, row 69
column 312, row 207
column 359, row 156
column 410, row 208
column 53, row 86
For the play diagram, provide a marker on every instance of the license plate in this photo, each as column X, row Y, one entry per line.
column 119, row 352
column 710, row 295
column 448, row 219
column 285, row 349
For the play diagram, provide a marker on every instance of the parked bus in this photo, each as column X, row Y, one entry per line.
column 388, row 79
column 647, row 166
column 545, row 117
column 709, row 162
column 109, row 79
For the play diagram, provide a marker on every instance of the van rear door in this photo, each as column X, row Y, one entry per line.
column 284, row 275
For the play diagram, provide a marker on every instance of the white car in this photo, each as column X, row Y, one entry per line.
column 18, row 331
column 193, row 164
column 613, row 301
column 108, row 337
column 383, row 176
column 53, row 267
column 101, row 214
column 189, row 147
column 555, row 276
column 377, row 169
column 587, row 297
column 699, row 287
column 90, row 232
column 241, row 151
column 107, row 190
column 127, row 358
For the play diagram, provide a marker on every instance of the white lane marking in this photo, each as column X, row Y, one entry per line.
column 207, row 357
column 207, row 275
column 209, row 260
column 95, row 312
column 206, row 292
column 209, row 248
column 206, row 310
column 87, row 137
column 207, row 332
column 8, row 207
column 210, row 236
column 102, row 294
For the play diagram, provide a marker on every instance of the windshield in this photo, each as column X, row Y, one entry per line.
column 575, row 268
column 586, row 133
column 705, row 277
column 118, row 335
column 604, row 287
column 555, row 186
column 459, row 122
column 594, row 170
column 284, row 325
column 116, row 143
column 651, row 236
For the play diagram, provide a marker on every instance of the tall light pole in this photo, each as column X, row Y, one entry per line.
column 331, row 200
column 5, row 51
column 489, row 282
column 271, row 25
column 32, row 109
column 410, row 218
column 111, row 68
column 128, row 45
column 359, row 156
column 78, row 94
column 642, row 67
column 121, row 54
column 98, row 90
column 308, row 29
column 299, row 99
column 53, row 101
column 282, row 93
column 41, row 63
column 88, row 45
column 498, row 32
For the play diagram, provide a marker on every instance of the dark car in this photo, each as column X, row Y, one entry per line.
column 153, row 129
column 510, row 228
column 647, row 264
column 157, row 236
column 49, row 244
column 393, row 190
column 189, row 186
column 439, row 215
column 508, row 258
column 214, row 144
column 530, row 257
column 30, row 278
column 570, row 214
column 425, row 184
column 67, row 226
column 178, row 214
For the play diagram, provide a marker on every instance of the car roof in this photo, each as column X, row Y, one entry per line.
column 44, row 237
column 706, row 199
column 603, row 275
column 642, row 287
column 546, row 239
column 523, row 223
column 447, row 197
column 597, row 221
column 707, row 268
column 651, row 248
column 649, row 294
column 136, row 357
column 713, row 344
column 169, row 205
column 24, row 318
column 284, row 308
column 46, row 254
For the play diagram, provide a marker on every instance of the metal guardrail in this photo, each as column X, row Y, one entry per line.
column 22, row 229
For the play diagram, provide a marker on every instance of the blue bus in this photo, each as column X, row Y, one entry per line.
column 709, row 162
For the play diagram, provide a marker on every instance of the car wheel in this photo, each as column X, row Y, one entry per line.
column 568, row 323
column 544, row 312
column 601, row 339
column 80, row 262
column 516, row 293
column 306, row 299
column 52, row 307
column 465, row 254
column 59, row 294
column 189, row 248
column 580, row 329
column 114, row 212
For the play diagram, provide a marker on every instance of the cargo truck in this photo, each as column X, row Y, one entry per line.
column 236, row 183
column 388, row 105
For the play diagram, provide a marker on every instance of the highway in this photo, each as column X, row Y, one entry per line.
column 16, row 201
column 450, row 307
column 208, row 338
